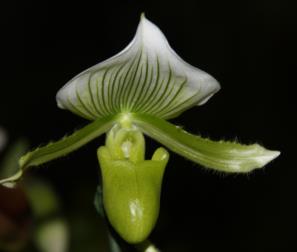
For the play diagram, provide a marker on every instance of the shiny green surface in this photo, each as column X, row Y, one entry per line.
column 131, row 185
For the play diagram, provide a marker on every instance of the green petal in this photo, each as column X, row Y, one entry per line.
column 221, row 156
column 60, row 148
column 146, row 77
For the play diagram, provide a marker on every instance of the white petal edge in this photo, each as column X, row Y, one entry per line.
column 159, row 82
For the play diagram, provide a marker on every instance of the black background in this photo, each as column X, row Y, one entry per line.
column 247, row 46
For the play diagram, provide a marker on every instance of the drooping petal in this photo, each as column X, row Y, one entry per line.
column 60, row 148
column 146, row 77
column 220, row 156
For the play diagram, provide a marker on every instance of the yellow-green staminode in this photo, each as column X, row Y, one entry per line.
column 136, row 91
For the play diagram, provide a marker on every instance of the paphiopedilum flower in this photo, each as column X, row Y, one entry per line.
column 132, row 93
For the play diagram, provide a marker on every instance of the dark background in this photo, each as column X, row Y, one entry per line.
column 247, row 46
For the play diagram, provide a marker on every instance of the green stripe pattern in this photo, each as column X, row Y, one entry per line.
column 146, row 77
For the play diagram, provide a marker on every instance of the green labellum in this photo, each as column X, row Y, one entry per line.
column 131, row 185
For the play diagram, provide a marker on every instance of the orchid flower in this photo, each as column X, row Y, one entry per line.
column 133, row 93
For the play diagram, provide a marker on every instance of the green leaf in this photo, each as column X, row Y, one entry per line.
column 221, row 156
column 61, row 148
column 146, row 77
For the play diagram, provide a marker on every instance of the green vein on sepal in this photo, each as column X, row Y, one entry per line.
column 61, row 147
column 146, row 77
column 218, row 155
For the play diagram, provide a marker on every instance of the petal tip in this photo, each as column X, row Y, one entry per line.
column 270, row 155
column 59, row 102
column 150, row 35
column 142, row 16
column 266, row 157
column 11, row 181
